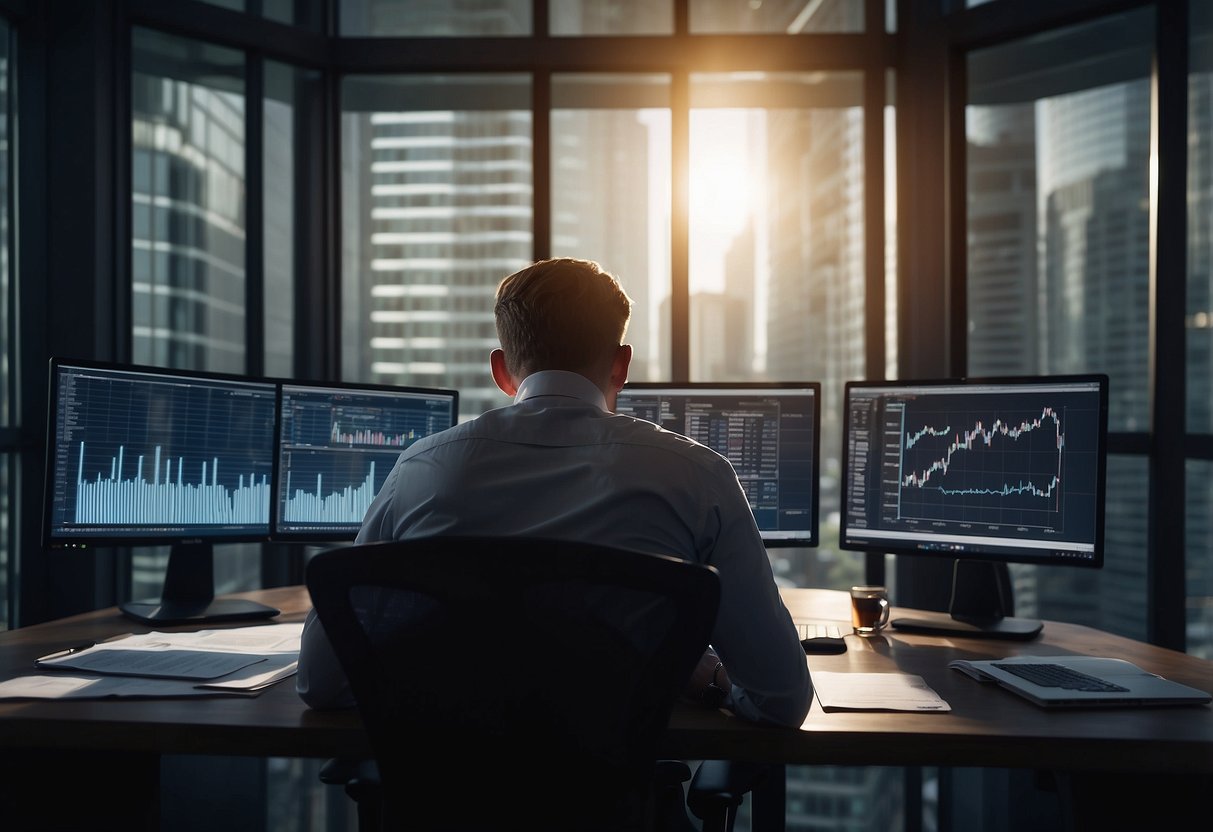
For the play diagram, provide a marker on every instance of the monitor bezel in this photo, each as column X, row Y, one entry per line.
column 51, row 540
column 280, row 535
column 1048, row 557
column 813, row 538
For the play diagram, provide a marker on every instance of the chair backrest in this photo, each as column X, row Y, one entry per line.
column 508, row 681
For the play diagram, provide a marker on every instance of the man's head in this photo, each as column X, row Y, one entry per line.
column 562, row 314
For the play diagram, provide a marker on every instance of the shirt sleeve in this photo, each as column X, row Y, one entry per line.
column 754, row 634
column 320, row 681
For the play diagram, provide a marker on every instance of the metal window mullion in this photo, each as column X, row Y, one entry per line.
column 680, row 300
column 956, row 243
column 327, row 285
column 541, row 163
column 874, row 89
column 254, row 231
column 122, row 314
column 13, row 401
column 1168, row 305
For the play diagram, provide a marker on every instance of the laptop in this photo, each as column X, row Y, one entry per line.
column 1080, row 682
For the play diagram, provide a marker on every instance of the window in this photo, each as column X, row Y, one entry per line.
column 777, row 254
column 611, row 17
column 8, row 352
column 1199, row 331
column 188, row 213
column 768, row 274
column 719, row 16
column 188, row 204
column 281, row 205
column 611, row 195
column 428, row 18
column 436, row 209
column 1059, row 263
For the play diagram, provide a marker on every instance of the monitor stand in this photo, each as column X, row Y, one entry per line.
column 188, row 596
column 976, row 610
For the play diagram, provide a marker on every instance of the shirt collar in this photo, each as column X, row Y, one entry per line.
column 560, row 383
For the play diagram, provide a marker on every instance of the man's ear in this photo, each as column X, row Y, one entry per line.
column 619, row 367
column 501, row 375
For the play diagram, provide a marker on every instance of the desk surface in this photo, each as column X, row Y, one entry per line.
column 986, row 727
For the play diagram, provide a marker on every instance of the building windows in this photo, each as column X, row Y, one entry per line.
column 434, row 18
column 611, row 17
column 784, row 18
column 187, row 204
column 436, row 210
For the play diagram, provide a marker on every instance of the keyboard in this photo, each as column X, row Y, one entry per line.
column 821, row 637
column 1056, row 676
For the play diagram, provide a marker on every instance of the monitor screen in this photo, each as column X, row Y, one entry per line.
column 147, row 455
column 996, row 469
column 768, row 431
column 337, row 443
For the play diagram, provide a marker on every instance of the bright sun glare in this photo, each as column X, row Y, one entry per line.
column 724, row 184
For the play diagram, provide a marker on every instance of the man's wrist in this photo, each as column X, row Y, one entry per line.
column 714, row 695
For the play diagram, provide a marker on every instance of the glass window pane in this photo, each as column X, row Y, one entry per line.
column 309, row 15
column 1200, row 221
column 611, row 195
column 6, row 534
column 777, row 255
column 1112, row 598
column 7, row 354
column 434, row 18
column 791, row 17
column 188, row 240
column 436, row 210
column 611, row 17
column 1058, row 208
column 7, row 351
column 237, row 568
column 278, row 158
column 1198, row 536
column 187, row 140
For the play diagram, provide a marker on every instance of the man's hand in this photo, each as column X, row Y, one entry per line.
column 708, row 677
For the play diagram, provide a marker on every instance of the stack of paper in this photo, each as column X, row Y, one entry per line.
column 241, row 661
column 876, row 692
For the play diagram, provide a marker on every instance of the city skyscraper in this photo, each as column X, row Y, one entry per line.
column 437, row 211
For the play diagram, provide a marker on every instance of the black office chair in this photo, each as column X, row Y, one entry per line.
column 513, row 681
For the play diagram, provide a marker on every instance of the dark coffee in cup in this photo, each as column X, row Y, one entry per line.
column 869, row 609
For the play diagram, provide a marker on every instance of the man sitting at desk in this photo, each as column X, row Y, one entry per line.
column 558, row 463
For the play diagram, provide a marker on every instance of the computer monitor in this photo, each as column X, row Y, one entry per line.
column 768, row 430
column 983, row 471
column 337, row 443
column 141, row 455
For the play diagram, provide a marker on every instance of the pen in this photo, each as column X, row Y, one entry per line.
column 62, row 653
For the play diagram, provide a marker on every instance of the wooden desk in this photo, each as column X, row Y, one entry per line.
column 986, row 727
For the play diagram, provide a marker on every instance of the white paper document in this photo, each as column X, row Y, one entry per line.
column 875, row 692
column 241, row 661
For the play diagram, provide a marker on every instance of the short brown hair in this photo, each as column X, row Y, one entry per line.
column 560, row 314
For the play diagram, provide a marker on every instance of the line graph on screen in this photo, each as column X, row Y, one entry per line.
column 983, row 467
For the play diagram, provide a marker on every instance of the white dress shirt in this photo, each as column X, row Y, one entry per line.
column 556, row 463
